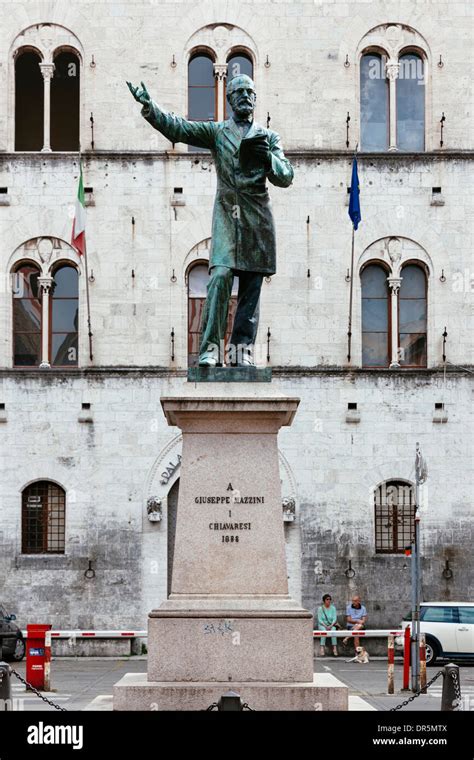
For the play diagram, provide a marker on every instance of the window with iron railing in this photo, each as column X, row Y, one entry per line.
column 394, row 503
column 43, row 518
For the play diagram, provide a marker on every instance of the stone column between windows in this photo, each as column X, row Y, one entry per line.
column 45, row 284
column 220, row 73
column 392, row 69
column 394, row 284
column 47, row 70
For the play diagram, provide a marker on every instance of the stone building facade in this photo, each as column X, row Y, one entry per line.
column 91, row 432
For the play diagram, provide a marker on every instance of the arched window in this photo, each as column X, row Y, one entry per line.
column 411, row 103
column 65, row 102
column 394, row 517
column 43, row 518
column 412, row 316
column 198, row 277
column 375, row 317
column 27, row 316
column 202, row 88
column 237, row 64
column 29, row 102
column 64, row 317
column 374, row 100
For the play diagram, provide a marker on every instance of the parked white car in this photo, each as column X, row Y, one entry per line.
column 449, row 629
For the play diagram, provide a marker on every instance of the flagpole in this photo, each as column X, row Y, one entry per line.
column 91, row 356
column 89, row 329
column 349, row 330
column 355, row 222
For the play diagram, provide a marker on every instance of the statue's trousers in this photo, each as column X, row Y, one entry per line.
column 214, row 319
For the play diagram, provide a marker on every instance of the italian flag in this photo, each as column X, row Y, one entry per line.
column 78, row 239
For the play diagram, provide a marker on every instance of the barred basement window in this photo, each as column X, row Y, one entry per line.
column 394, row 517
column 43, row 518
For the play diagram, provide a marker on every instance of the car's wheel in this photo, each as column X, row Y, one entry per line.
column 20, row 649
column 432, row 651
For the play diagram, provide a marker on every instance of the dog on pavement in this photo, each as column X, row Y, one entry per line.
column 361, row 656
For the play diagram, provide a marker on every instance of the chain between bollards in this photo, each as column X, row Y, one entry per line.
column 5, row 687
column 451, row 694
column 38, row 694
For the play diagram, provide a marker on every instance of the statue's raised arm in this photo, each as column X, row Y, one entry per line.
column 201, row 134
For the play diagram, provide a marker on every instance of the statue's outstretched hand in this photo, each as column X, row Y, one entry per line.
column 140, row 93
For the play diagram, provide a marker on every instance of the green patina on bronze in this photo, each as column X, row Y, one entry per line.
column 243, row 232
column 230, row 374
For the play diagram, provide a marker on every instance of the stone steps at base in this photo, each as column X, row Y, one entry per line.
column 325, row 692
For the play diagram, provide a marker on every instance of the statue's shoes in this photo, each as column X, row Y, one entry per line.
column 244, row 363
column 207, row 360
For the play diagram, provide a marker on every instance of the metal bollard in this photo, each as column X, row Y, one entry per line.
column 5, row 688
column 230, row 701
column 451, row 695
column 391, row 664
column 423, row 663
column 406, row 659
column 47, row 661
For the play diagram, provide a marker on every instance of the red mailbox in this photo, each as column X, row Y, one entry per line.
column 38, row 656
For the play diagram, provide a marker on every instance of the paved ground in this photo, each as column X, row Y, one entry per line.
column 77, row 681
column 370, row 682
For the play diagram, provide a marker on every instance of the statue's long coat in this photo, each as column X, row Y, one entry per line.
column 243, row 233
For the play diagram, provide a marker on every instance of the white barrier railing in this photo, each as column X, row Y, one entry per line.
column 95, row 634
column 143, row 634
column 363, row 633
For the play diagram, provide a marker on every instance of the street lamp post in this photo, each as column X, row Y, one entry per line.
column 421, row 473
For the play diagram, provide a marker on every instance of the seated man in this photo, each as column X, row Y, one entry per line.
column 356, row 616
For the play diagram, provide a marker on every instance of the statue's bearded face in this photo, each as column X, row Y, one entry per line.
column 242, row 97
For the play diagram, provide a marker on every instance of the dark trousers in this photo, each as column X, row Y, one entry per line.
column 214, row 318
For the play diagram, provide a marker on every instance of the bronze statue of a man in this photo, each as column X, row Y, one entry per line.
column 243, row 233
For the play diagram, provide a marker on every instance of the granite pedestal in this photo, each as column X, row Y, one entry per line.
column 229, row 620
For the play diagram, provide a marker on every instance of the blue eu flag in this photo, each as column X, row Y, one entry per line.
column 354, row 203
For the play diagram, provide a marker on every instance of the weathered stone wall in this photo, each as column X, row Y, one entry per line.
column 132, row 317
column 306, row 44
column 110, row 466
column 106, row 467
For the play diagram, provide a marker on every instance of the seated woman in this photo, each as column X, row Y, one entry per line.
column 327, row 619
